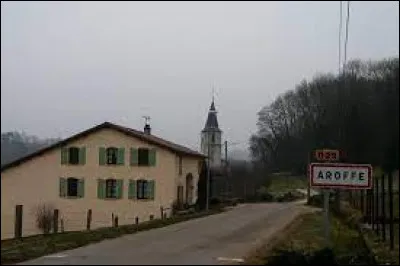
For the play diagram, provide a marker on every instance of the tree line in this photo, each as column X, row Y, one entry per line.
column 356, row 112
column 15, row 145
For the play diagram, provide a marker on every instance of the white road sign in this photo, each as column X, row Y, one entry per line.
column 340, row 175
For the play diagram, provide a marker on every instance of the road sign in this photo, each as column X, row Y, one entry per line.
column 327, row 155
column 340, row 175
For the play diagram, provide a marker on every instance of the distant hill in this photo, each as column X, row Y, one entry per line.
column 15, row 145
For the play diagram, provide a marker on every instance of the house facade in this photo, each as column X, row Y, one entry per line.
column 109, row 170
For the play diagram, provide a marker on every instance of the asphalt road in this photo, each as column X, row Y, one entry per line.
column 217, row 239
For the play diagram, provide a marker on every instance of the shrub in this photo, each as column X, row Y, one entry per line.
column 44, row 217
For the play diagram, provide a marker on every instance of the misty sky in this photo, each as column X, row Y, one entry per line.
column 67, row 66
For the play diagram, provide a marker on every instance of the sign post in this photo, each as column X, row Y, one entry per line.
column 338, row 176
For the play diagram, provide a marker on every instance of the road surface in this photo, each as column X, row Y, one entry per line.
column 216, row 239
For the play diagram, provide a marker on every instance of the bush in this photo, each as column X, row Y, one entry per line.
column 44, row 217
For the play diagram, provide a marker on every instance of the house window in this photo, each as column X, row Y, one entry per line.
column 212, row 138
column 143, row 154
column 73, row 157
column 142, row 189
column 111, row 188
column 72, row 187
column 180, row 165
column 112, row 154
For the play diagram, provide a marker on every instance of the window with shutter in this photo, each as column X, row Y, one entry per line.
column 102, row 156
column 73, row 157
column 112, row 155
column 81, row 188
column 101, row 189
column 143, row 157
column 141, row 189
column 72, row 190
column 134, row 156
column 82, row 156
column 63, row 187
column 119, row 188
column 121, row 156
column 64, row 155
column 111, row 188
column 132, row 189
column 152, row 157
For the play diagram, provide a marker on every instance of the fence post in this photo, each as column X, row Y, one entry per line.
column 116, row 221
column 62, row 225
column 88, row 219
column 383, row 212
column 391, row 229
column 55, row 221
column 362, row 203
column 373, row 205
column 18, row 221
column 377, row 206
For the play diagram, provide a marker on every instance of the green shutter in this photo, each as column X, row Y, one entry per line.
column 132, row 189
column 120, row 188
column 63, row 187
column 82, row 156
column 152, row 157
column 81, row 188
column 121, row 156
column 102, row 156
column 101, row 188
column 64, row 155
column 150, row 189
column 134, row 156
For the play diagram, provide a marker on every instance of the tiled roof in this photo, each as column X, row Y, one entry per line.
column 179, row 149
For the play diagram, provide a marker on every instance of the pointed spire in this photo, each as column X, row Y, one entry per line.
column 212, row 121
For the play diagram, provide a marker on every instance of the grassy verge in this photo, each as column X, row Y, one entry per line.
column 17, row 250
column 305, row 243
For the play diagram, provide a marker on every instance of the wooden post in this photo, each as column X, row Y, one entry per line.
column 377, row 206
column 391, row 225
column 116, row 221
column 383, row 212
column 362, row 203
column 373, row 206
column 18, row 222
column 62, row 225
column 88, row 219
column 55, row 221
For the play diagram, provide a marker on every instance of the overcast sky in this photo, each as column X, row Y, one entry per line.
column 67, row 66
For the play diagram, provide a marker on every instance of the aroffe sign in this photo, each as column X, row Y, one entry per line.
column 340, row 175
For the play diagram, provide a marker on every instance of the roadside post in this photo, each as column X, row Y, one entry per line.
column 328, row 175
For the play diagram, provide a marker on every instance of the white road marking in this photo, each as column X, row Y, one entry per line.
column 230, row 259
column 56, row 256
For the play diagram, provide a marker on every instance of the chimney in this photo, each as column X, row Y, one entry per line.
column 147, row 128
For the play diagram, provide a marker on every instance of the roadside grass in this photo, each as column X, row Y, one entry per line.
column 286, row 182
column 17, row 250
column 304, row 244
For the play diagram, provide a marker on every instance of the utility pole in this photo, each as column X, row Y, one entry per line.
column 226, row 168
column 208, row 174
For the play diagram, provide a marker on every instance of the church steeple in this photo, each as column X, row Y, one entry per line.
column 211, row 138
column 212, row 121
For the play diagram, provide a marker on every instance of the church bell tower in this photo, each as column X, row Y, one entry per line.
column 211, row 138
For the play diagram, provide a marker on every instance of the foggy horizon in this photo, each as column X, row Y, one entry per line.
column 68, row 66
